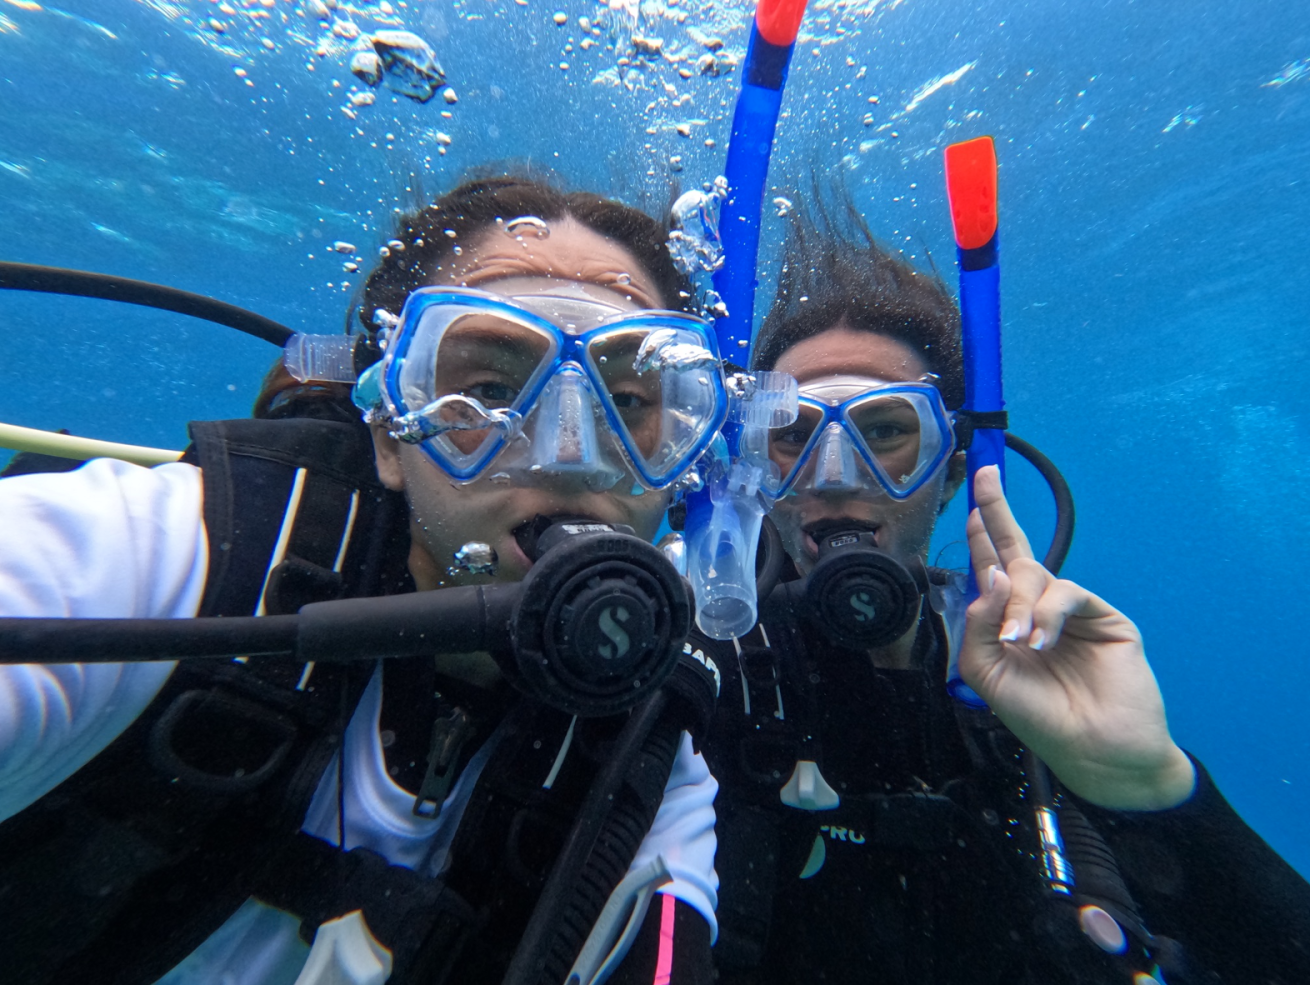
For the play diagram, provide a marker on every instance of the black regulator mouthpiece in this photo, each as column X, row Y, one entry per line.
column 600, row 618
column 859, row 596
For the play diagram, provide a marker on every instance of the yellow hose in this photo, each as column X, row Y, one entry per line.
column 68, row 446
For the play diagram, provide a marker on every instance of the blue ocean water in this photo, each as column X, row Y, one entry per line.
column 1153, row 162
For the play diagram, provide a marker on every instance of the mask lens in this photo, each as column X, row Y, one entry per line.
column 489, row 358
column 898, row 433
column 788, row 444
column 660, row 385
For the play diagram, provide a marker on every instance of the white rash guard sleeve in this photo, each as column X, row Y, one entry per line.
column 683, row 832
column 104, row 541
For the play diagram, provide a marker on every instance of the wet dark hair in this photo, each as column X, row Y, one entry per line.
column 834, row 270
column 467, row 210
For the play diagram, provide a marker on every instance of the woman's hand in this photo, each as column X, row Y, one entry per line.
column 1065, row 671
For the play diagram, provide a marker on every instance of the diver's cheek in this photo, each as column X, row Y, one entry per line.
column 646, row 513
column 911, row 526
column 789, row 522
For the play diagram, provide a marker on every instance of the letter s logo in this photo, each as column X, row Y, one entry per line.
column 861, row 603
column 615, row 633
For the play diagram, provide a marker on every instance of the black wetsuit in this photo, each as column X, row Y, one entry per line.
column 929, row 870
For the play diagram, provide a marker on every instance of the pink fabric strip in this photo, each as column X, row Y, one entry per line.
column 664, row 964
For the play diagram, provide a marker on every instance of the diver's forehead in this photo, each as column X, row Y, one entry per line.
column 844, row 351
column 834, row 389
column 561, row 251
column 580, row 291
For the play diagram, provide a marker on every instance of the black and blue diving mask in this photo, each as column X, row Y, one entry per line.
column 856, row 434
column 548, row 381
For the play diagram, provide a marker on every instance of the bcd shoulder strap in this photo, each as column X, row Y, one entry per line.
column 129, row 864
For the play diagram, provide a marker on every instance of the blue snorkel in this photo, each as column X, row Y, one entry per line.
column 1077, row 873
column 980, row 425
column 971, row 190
column 723, row 518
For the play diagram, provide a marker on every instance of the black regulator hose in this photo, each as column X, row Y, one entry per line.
column 618, row 811
column 1064, row 511
column 542, row 955
column 107, row 287
column 464, row 620
column 598, row 624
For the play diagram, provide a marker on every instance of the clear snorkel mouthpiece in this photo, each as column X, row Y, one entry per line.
column 725, row 531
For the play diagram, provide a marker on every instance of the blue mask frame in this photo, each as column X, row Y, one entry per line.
column 569, row 351
column 840, row 414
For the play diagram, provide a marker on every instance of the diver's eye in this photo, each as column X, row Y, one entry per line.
column 884, row 432
column 790, row 437
column 492, row 393
column 630, row 401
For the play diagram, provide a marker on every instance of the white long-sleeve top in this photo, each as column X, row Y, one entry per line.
column 116, row 540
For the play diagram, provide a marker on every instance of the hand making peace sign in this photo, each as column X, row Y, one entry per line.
column 1065, row 671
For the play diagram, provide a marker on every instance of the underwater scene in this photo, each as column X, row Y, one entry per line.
column 339, row 168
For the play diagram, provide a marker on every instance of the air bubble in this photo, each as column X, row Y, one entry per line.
column 623, row 279
column 408, row 65
column 366, row 67
column 527, row 225
column 341, row 246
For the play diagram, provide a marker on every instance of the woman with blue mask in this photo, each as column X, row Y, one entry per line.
column 184, row 822
column 873, row 829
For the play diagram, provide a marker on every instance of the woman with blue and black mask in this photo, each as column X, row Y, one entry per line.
column 871, row 828
column 183, row 822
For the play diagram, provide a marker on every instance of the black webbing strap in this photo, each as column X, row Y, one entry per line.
column 249, row 462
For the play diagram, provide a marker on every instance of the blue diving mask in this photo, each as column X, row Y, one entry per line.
column 855, row 434
column 548, row 382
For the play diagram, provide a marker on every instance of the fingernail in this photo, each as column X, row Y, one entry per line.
column 991, row 578
column 1038, row 639
column 1010, row 631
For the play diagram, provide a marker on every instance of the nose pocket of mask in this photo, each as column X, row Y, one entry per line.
column 564, row 440
column 834, row 466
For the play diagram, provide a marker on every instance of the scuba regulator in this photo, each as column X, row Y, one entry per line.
column 857, row 596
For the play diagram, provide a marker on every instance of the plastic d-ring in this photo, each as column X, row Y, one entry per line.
column 971, row 189
column 779, row 21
